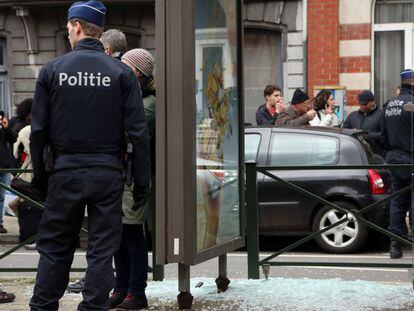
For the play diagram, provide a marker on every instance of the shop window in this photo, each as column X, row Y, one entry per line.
column 262, row 66
column 393, row 45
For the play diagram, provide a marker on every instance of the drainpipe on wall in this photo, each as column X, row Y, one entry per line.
column 30, row 35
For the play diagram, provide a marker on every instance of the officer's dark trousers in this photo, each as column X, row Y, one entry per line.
column 69, row 191
column 401, row 178
column 401, row 204
column 131, row 262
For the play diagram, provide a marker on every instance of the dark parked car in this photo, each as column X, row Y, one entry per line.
column 284, row 211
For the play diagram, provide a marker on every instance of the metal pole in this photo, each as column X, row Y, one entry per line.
column 222, row 281
column 252, row 222
column 157, row 270
column 222, row 263
column 183, row 277
column 184, row 298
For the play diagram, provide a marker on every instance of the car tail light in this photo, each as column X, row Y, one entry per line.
column 376, row 184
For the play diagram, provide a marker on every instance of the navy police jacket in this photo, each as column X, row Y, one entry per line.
column 84, row 103
column 397, row 131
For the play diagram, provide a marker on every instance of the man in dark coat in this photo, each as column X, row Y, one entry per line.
column 84, row 103
column 367, row 118
column 274, row 104
column 300, row 111
column 397, row 137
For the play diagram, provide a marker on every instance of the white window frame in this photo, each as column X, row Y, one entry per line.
column 408, row 29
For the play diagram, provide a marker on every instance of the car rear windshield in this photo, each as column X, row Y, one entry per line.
column 373, row 158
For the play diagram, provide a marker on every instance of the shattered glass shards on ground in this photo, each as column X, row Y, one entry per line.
column 291, row 294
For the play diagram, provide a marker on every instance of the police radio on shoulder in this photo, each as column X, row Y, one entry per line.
column 84, row 79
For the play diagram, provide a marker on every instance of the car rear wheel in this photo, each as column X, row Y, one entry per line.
column 344, row 238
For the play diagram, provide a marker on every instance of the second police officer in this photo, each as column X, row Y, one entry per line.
column 397, row 136
column 84, row 103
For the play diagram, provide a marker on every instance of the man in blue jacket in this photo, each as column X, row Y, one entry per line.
column 84, row 103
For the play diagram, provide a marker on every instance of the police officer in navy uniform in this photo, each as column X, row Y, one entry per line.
column 84, row 103
column 397, row 136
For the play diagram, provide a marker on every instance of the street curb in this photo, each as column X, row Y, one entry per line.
column 9, row 239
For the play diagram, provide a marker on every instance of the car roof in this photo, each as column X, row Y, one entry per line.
column 314, row 129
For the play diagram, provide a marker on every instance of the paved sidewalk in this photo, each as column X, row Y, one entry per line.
column 23, row 289
column 276, row 294
column 12, row 227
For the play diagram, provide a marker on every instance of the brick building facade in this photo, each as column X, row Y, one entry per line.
column 349, row 43
column 355, row 44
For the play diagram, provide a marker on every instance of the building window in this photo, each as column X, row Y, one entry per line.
column 393, row 45
column 263, row 65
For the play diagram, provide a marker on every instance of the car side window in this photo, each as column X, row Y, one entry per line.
column 251, row 146
column 303, row 149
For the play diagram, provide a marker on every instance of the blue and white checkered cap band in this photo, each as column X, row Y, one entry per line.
column 407, row 74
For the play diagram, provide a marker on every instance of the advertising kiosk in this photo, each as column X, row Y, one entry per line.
column 199, row 132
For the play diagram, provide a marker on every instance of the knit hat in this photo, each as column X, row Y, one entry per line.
column 365, row 97
column 299, row 97
column 141, row 59
column 90, row 11
column 407, row 74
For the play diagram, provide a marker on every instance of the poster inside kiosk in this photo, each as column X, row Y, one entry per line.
column 217, row 122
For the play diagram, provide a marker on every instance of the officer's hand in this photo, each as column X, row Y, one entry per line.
column 141, row 194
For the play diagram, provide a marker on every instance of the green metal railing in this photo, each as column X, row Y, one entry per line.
column 253, row 218
column 157, row 270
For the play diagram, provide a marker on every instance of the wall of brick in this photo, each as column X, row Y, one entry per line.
column 354, row 31
column 323, row 43
column 355, row 64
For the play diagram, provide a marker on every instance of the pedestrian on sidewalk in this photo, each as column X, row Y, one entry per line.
column 300, row 112
column 325, row 110
column 84, row 104
column 274, row 104
column 367, row 118
column 131, row 260
column 114, row 42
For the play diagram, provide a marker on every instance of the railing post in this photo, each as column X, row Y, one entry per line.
column 252, row 221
